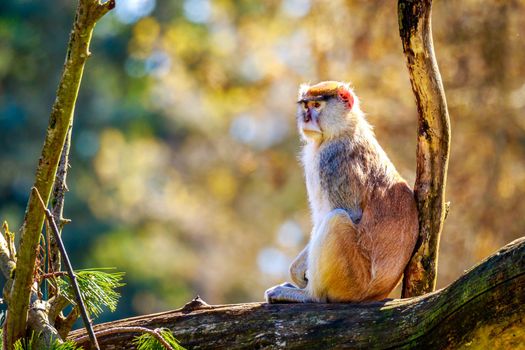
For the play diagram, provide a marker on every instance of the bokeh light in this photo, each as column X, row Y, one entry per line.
column 130, row 11
column 184, row 160
column 198, row 11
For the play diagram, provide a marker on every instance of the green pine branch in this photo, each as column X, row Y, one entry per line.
column 148, row 341
column 97, row 287
column 33, row 344
column 151, row 339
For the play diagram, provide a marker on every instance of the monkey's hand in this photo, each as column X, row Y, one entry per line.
column 286, row 293
column 298, row 269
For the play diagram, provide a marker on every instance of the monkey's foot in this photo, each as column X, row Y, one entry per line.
column 286, row 293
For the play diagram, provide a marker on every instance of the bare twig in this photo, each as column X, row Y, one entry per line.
column 100, row 8
column 153, row 332
column 59, row 190
column 10, row 237
column 57, row 302
column 76, row 289
column 53, row 274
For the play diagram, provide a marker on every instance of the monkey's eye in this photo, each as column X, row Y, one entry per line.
column 317, row 104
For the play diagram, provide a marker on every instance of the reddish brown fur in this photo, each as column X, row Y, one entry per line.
column 325, row 88
column 365, row 262
column 344, row 267
column 391, row 219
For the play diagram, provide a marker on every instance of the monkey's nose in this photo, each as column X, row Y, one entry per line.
column 307, row 117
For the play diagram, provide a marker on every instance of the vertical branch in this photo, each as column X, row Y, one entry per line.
column 59, row 190
column 433, row 143
column 88, row 13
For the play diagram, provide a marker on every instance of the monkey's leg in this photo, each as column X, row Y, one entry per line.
column 298, row 269
column 287, row 293
column 339, row 266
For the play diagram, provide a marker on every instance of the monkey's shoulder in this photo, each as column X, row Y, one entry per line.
column 344, row 152
column 335, row 151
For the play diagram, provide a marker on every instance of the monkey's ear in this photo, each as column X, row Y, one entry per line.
column 346, row 95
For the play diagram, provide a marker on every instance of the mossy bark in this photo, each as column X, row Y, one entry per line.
column 88, row 13
column 484, row 309
column 433, row 143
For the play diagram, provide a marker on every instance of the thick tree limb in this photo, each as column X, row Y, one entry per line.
column 485, row 308
column 88, row 13
column 433, row 143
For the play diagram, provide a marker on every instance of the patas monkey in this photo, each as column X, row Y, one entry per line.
column 365, row 221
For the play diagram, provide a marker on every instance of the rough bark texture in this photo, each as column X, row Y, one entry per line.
column 88, row 13
column 433, row 143
column 484, row 309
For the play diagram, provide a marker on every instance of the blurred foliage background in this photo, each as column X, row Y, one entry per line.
column 184, row 170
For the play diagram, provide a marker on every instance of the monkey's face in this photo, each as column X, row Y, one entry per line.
column 324, row 110
column 308, row 114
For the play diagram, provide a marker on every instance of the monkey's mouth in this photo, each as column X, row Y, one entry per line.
column 312, row 130
column 312, row 133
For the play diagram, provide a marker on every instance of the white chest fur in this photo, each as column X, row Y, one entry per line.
column 319, row 204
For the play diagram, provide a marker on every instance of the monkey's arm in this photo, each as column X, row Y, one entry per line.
column 298, row 269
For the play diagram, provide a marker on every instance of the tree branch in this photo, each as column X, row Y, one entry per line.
column 71, row 273
column 57, row 203
column 7, row 253
column 489, row 299
column 64, row 325
column 433, row 143
column 56, row 305
column 38, row 322
column 88, row 12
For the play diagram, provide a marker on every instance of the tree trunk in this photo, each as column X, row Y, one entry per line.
column 433, row 143
column 484, row 309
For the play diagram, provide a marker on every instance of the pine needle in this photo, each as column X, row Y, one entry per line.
column 97, row 288
column 31, row 344
column 147, row 341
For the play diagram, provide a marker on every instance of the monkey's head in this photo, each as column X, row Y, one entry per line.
column 326, row 110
